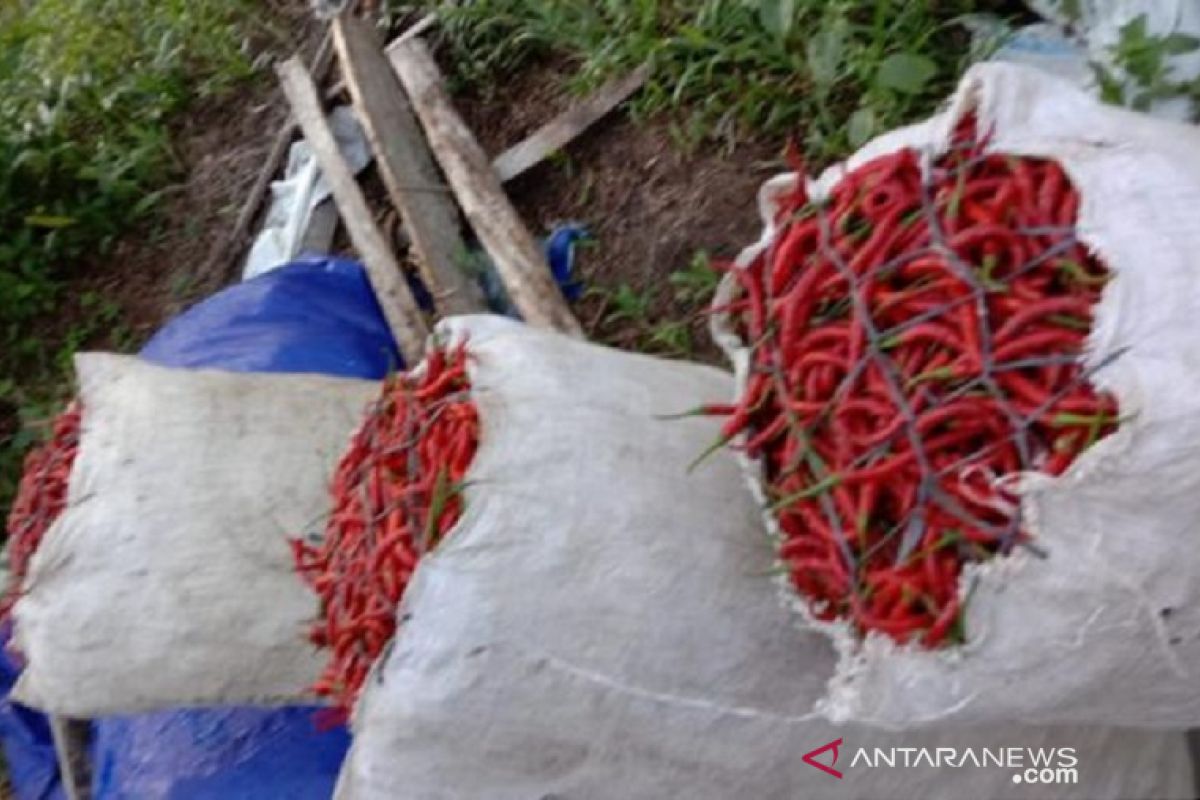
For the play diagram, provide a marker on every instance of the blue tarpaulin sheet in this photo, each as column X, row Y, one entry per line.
column 315, row 315
column 28, row 749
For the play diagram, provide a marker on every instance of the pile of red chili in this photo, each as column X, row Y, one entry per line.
column 396, row 493
column 41, row 497
column 915, row 340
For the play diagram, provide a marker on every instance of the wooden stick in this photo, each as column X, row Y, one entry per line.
column 70, row 748
column 399, row 307
column 430, row 218
column 558, row 132
column 418, row 28
column 518, row 259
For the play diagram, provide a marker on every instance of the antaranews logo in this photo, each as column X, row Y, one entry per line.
column 810, row 758
column 1040, row 765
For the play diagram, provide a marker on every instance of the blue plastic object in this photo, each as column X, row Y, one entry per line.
column 316, row 315
column 28, row 748
column 560, row 253
column 214, row 754
column 559, row 249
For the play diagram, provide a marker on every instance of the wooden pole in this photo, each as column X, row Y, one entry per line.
column 399, row 307
column 561, row 130
column 70, row 748
column 518, row 259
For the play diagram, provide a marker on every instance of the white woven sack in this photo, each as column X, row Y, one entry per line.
column 602, row 623
column 168, row 579
column 1107, row 628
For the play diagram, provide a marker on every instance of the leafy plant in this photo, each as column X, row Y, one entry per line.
column 695, row 284
column 1142, row 72
column 837, row 70
column 624, row 304
column 88, row 89
column 628, row 317
column 671, row 337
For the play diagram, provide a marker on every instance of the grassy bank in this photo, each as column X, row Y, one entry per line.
column 833, row 72
column 88, row 91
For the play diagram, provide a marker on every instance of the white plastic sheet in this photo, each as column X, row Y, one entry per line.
column 299, row 192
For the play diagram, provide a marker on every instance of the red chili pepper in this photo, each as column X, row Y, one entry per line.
column 861, row 434
column 1041, row 309
column 941, row 624
column 397, row 485
column 41, row 497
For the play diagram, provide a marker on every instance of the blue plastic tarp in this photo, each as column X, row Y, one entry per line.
column 213, row 754
column 28, row 748
column 315, row 315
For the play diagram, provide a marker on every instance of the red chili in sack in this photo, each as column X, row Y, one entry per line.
column 916, row 339
column 396, row 493
column 41, row 497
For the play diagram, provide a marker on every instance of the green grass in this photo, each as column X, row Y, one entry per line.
column 832, row 72
column 88, row 89
column 627, row 317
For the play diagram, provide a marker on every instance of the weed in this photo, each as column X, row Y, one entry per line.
column 98, row 316
column 183, row 284
column 840, row 70
column 628, row 317
column 671, row 337
column 587, row 185
column 563, row 161
column 626, row 304
column 1141, row 73
column 623, row 314
column 695, row 284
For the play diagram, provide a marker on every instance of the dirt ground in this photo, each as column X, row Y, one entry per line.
column 649, row 204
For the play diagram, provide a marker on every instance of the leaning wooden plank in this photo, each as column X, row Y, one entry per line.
column 561, row 130
column 518, row 259
column 419, row 27
column 430, row 218
column 399, row 307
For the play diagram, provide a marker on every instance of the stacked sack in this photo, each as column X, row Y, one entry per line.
column 501, row 564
